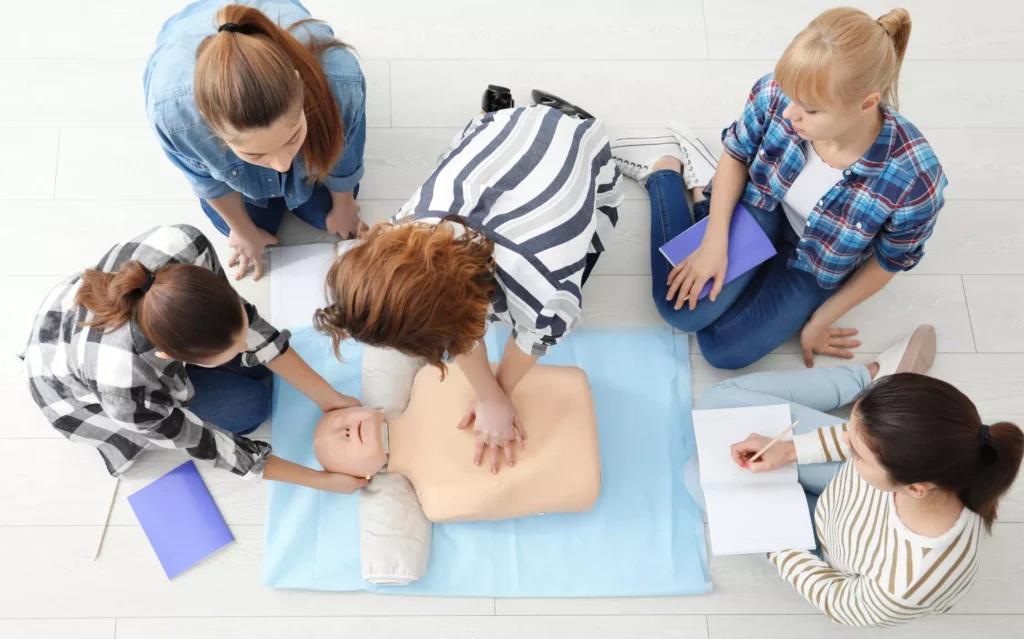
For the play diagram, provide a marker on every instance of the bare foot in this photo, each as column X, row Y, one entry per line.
column 667, row 163
column 873, row 369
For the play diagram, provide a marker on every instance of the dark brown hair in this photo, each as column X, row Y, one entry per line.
column 422, row 289
column 189, row 312
column 247, row 80
column 924, row 430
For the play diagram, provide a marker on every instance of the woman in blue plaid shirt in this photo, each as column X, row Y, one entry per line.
column 846, row 188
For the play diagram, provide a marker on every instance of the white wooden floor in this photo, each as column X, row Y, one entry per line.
column 79, row 170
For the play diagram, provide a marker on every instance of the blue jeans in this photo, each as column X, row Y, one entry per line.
column 313, row 211
column 754, row 313
column 809, row 393
column 231, row 396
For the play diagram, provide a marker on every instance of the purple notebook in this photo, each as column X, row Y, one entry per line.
column 749, row 246
column 180, row 519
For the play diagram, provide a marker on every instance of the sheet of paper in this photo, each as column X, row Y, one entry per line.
column 758, row 519
column 718, row 429
column 297, row 275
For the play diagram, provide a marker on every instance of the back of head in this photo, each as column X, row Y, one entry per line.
column 843, row 56
column 421, row 289
column 924, row 430
column 253, row 72
column 186, row 311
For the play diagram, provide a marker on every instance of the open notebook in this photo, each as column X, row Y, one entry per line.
column 749, row 512
column 297, row 275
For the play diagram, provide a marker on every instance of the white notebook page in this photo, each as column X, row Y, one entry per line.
column 749, row 512
column 297, row 275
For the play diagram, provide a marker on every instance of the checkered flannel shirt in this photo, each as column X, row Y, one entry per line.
column 885, row 204
column 111, row 391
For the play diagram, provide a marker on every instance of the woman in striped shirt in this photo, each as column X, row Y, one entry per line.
column 900, row 528
column 507, row 228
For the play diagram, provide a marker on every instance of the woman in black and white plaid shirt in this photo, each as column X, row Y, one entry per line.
column 154, row 348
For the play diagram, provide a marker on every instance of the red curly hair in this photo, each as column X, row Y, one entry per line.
column 422, row 289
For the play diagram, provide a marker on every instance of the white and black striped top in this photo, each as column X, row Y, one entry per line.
column 541, row 186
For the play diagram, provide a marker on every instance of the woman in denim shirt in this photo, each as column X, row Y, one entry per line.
column 260, row 118
column 847, row 189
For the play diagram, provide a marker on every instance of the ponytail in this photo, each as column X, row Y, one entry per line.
column 924, row 430
column 999, row 460
column 245, row 78
column 896, row 24
column 188, row 312
column 112, row 297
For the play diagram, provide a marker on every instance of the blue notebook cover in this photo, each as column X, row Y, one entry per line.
column 749, row 246
column 179, row 517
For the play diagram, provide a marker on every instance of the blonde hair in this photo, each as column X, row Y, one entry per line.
column 843, row 56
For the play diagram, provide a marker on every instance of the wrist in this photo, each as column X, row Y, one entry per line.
column 790, row 451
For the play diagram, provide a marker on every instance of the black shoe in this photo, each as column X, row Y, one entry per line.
column 555, row 102
column 496, row 98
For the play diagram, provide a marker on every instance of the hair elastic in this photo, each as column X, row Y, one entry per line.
column 986, row 436
column 230, row 27
column 149, row 282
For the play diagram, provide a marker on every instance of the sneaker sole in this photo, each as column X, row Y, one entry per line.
column 920, row 353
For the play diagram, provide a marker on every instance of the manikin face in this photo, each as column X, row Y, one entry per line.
column 815, row 124
column 350, row 441
column 275, row 146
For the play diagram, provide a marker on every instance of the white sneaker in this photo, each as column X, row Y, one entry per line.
column 914, row 354
column 699, row 163
column 637, row 154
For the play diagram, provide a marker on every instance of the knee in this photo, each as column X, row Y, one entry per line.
column 718, row 396
column 726, row 354
column 682, row 319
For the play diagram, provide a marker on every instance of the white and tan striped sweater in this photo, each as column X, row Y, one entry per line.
column 875, row 572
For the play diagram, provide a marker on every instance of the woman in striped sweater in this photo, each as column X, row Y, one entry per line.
column 900, row 528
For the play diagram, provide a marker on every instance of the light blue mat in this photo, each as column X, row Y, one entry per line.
column 645, row 536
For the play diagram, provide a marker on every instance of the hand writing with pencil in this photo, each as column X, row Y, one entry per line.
column 777, row 456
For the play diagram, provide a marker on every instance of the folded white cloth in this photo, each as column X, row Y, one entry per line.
column 394, row 534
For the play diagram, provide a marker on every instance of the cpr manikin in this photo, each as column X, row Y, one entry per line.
column 558, row 471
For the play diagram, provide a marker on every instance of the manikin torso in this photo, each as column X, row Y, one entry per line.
column 559, row 470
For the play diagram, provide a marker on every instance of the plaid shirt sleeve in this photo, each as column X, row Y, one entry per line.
column 900, row 244
column 168, row 425
column 743, row 137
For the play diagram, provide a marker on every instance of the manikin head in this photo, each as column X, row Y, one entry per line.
column 351, row 441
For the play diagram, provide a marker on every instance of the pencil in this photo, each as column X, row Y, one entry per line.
column 772, row 443
column 106, row 521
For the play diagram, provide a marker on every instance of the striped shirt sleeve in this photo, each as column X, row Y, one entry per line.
column 850, row 600
column 822, row 445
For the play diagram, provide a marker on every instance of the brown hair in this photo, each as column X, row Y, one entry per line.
column 246, row 80
column 422, row 289
column 189, row 312
column 843, row 56
column 924, row 430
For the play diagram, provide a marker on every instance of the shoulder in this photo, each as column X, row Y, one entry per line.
column 767, row 92
column 909, row 148
column 163, row 245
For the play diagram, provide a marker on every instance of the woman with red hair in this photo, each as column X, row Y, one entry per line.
column 507, row 228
